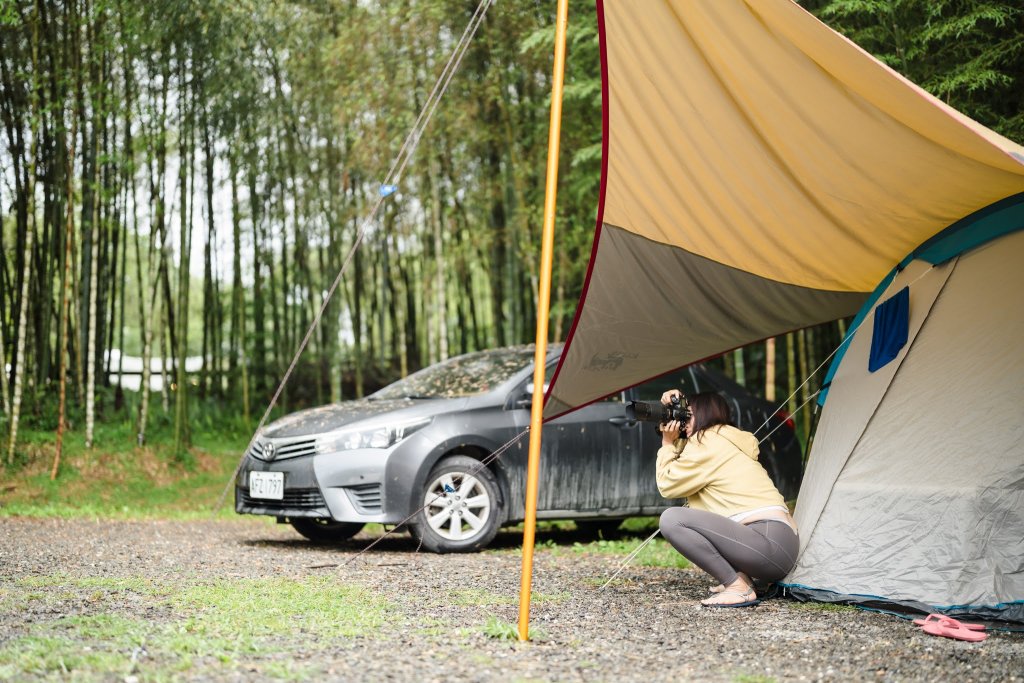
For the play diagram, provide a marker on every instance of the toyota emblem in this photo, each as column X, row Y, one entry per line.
column 268, row 450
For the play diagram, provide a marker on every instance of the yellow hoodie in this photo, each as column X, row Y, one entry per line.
column 718, row 473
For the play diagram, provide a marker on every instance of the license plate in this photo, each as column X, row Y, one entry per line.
column 267, row 485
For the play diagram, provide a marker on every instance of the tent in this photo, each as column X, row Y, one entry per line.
column 914, row 494
column 762, row 174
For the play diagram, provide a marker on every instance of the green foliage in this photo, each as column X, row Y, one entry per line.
column 500, row 630
column 116, row 479
column 968, row 53
column 9, row 13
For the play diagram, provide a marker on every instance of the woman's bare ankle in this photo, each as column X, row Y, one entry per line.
column 738, row 586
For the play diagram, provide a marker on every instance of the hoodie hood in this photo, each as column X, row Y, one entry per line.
column 744, row 441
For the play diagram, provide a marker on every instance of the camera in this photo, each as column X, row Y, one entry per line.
column 655, row 411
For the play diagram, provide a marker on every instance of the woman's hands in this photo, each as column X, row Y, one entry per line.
column 670, row 432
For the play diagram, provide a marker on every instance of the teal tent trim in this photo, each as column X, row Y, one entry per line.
column 1002, row 218
column 1008, row 615
column 984, row 225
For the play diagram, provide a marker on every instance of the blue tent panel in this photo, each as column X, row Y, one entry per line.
column 892, row 324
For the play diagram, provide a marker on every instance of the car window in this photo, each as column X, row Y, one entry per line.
column 474, row 373
column 680, row 379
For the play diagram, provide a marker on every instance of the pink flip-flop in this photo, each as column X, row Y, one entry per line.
column 948, row 621
column 958, row 632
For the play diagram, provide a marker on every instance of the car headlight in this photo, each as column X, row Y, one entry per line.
column 380, row 437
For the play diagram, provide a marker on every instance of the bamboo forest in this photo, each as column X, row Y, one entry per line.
column 181, row 182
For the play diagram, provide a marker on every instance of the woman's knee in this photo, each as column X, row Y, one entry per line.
column 673, row 517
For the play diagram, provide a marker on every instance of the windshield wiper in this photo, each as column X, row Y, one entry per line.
column 418, row 397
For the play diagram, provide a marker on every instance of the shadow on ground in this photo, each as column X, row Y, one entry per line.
column 400, row 541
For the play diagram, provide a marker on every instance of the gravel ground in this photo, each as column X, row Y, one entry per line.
column 648, row 627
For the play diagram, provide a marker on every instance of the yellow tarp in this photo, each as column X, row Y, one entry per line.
column 756, row 156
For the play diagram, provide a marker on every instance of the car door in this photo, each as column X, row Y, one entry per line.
column 589, row 459
column 586, row 456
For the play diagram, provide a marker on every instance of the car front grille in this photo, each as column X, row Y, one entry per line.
column 365, row 497
column 282, row 451
column 294, row 499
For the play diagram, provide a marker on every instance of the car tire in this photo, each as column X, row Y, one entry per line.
column 326, row 530
column 461, row 507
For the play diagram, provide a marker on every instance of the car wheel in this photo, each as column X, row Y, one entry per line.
column 598, row 529
column 461, row 507
column 326, row 530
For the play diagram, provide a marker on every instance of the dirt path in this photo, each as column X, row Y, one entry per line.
column 56, row 573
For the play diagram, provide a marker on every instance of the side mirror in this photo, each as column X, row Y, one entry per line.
column 526, row 400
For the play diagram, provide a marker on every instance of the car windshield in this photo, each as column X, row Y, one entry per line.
column 474, row 373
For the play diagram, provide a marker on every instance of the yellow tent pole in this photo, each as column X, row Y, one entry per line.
column 543, row 308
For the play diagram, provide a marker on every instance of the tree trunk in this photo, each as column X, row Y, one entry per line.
column 185, row 174
column 259, row 356
column 19, row 362
column 94, row 267
column 65, row 286
column 19, row 368
column 769, row 369
column 791, row 372
column 356, row 307
column 90, row 353
column 166, row 356
column 5, row 398
column 146, row 327
column 741, row 370
column 243, row 362
column 805, row 419
column 441, row 303
column 235, row 328
column 210, row 371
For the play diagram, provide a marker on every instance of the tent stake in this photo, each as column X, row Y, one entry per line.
column 543, row 308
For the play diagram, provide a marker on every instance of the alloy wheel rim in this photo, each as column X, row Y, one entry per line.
column 457, row 506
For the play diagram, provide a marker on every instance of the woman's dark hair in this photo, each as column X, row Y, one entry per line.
column 709, row 410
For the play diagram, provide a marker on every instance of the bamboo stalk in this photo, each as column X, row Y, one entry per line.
column 65, row 304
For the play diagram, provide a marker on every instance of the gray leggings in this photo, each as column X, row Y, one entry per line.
column 765, row 549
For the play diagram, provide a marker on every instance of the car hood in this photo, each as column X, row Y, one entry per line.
column 328, row 418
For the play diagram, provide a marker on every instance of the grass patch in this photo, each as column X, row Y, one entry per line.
column 657, row 553
column 54, row 655
column 195, row 628
column 499, row 629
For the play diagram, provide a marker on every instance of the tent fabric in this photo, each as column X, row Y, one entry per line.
column 773, row 170
column 700, row 305
column 914, row 493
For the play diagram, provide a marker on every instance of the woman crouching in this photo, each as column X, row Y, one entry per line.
column 737, row 526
